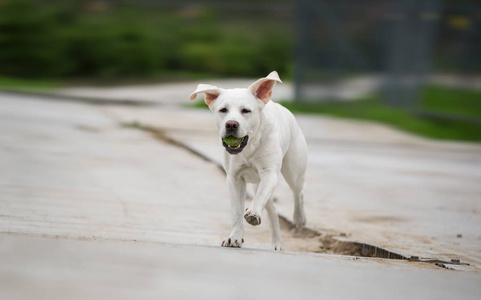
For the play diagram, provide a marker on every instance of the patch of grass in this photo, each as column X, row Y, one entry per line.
column 451, row 100
column 373, row 109
column 29, row 84
column 13, row 83
column 181, row 75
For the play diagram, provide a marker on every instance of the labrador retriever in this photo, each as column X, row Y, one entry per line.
column 262, row 140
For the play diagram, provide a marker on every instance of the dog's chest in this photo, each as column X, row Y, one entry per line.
column 249, row 173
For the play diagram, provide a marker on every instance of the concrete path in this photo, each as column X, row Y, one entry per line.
column 92, row 206
column 164, row 93
column 72, row 170
column 380, row 186
column 175, row 93
column 45, row 268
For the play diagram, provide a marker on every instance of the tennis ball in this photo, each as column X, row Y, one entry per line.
column 232, row 141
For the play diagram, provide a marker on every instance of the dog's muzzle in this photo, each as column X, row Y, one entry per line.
column 238, row 149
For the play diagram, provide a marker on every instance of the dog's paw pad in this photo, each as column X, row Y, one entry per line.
column 252, row 219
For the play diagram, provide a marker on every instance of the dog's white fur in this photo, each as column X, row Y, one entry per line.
column 275, row 145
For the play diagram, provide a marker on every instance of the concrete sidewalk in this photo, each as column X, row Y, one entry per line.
column 45, row 268
column 380, row 186
column 72, row 170
column 93, row 208
column 173, row 93
column 164, row 93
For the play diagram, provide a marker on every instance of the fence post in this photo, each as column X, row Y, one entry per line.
column 409, row 50
column 304, row 19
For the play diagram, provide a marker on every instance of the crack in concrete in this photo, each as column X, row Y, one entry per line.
column 160, row 134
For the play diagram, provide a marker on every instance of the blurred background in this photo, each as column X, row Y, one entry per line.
column 413, row 64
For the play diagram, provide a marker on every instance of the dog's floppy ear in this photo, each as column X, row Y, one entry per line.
column 211, row 93
column 262, row 88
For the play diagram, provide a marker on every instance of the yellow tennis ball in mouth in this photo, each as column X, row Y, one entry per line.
column 232, row 141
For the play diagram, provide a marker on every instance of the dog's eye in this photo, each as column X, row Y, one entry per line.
column 245, row 111
column 223, row 110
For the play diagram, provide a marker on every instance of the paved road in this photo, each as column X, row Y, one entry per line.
column 91, row 208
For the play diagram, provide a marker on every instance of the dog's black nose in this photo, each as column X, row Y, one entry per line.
column 231, row 125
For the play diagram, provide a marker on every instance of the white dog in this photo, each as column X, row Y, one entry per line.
column 262, row 140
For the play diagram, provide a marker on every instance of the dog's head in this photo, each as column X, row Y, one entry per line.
column 238, row 111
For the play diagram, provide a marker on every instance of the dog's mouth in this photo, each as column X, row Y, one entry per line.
column 234, row 145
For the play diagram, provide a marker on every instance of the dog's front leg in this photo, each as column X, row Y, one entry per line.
column 237, row 195
column 264, row 191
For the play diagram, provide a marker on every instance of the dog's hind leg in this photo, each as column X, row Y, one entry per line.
column 299, row 214
column 275, row 227
column 294, row 169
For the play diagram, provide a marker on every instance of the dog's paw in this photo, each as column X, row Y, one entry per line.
column 252, row 217
column 232, row 242
column 299, row 220
column 278, row 246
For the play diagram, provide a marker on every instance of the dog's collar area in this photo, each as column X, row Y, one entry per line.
column 238, row 149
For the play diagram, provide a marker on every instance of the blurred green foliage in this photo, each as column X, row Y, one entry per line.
column 66, row 39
